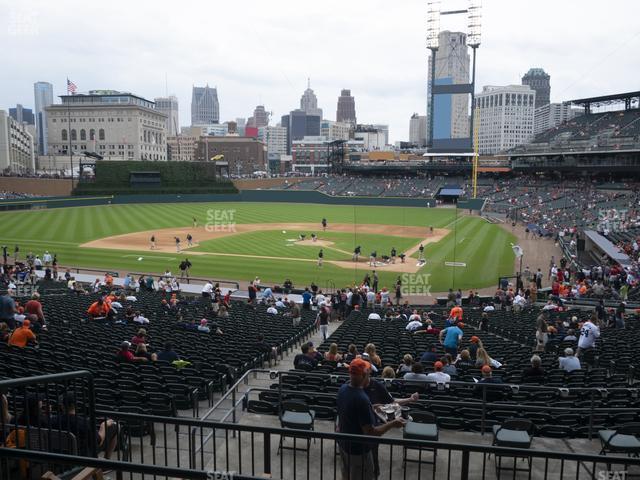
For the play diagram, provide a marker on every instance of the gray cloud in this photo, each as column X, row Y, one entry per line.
column 262, row 52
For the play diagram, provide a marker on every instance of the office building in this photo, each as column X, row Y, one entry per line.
column 309, row 102
column 506, row 117
column 116, row 125
column 371, row 137
column 346, row 112
column 418, row 130
column 260, row 118
column 205, row 108
column 242, row 155
column 300, row 125
column 22, row 115
column 17, row 152
column 451, row 112
column 181, row 148
column 169, row 106
column 43, row 96
column 540, row 81
column 310, row 155
column 552, row 115
column 275, row 138
column 335, row 130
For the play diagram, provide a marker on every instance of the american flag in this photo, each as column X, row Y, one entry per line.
column 71, row 87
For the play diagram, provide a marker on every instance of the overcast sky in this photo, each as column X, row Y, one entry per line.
column 261, row 52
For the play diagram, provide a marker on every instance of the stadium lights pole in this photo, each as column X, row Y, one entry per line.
column 433, row 30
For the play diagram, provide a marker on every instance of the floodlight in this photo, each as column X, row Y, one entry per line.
column 433, row 24
column 474, row 17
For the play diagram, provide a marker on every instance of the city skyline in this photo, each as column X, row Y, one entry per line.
column 258, row 70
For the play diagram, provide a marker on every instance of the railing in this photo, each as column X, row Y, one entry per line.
column 170, row 447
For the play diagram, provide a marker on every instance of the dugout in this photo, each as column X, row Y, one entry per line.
column 449, row 194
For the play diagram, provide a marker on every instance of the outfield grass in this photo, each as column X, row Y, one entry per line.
column 485, row 248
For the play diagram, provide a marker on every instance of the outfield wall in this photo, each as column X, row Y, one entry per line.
column 259, row 196
column 37, row 186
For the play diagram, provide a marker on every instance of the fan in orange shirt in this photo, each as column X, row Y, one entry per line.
column 100, row 309
column 456, row 312
column 22, row 336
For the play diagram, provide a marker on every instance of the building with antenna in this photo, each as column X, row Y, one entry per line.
column 309, row 101
column 169, row 106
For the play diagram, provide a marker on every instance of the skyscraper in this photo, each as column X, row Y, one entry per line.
column 309, row 101
column 260, row 117
column 418, row 130
column 169, row 106
column 43, row 95
column 205, row 109
column 300, row 125
column 451, row 112
column 540, row 81
column 506, row 117
column 22, row 115
column 346, row 111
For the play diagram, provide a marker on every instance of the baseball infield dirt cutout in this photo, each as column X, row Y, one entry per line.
column 165, row 241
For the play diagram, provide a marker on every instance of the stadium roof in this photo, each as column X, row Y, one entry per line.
column 607, row 99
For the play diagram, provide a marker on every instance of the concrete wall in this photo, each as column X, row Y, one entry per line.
column 39, row 186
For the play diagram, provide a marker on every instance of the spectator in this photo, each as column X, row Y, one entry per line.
column 370, row 350
column 100, row 310
column 492, row 394
column 352, row 354
column 294, row 313
column 588, row 335
column 332, row 355
column 430, row 355
column 305, row 358
column 8, row 310
column 438, row 376
column 447, row 365
column 483, row 358
column 5, row 333
column 464, row 360
column 405, row 366
column 571, row 336
column 484, row 322
column 167, row 354
column 262, row 346
column 569, row 362
column 452, row 337
column 139, row 337
column 68, row 420
column 356, row 417
column 22, row 336
column 474, row 345
column 535, row 372
column 542, row 333
column 141, row 352
column 125, row 355
column 387, row 372
column 34, row 307
column 416, row 373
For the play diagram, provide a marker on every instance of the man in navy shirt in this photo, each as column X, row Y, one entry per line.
column 356, row 417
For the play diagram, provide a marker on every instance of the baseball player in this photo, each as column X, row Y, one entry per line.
column 394, row 254
column 152, row 241
column 177, row 239
column 189, row 240
column 356, row 253
column 372, row 258
column 421, row 253
column 324, row 224
column 195, row 222
column 320, row 257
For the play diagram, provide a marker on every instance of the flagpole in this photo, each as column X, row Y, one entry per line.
column 69, row 128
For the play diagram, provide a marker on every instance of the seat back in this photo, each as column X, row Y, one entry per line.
column 293, row 406
column 423, row 417
column 629, row 429
column 519, row 424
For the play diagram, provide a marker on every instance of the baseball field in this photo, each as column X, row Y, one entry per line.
column 238, row 241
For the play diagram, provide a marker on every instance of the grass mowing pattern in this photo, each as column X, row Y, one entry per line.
column 484, row 247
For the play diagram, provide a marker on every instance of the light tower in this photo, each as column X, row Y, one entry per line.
column 474, row 22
